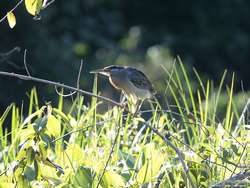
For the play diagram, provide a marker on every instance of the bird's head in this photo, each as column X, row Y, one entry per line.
column 107, row 71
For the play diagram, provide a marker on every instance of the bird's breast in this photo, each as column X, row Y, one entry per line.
column 116, row 82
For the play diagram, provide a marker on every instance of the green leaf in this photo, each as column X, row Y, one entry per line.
column 149, row 171
column 83, row 177
column 43, row 150
column 33, row 6
column 11, row 19
column 40, row 124
column 9, row 185
column 30, row 153
column 129, row 159
column 22, row 181
column 30, row 173
column 53, row 126
column 112, row 179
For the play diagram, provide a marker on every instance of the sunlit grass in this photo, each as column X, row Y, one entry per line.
column 81, row 147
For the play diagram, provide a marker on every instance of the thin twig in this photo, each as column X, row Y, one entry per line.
column 77, row 84
column 79, row 75
column 109, row 157
column 31, row 78
column 19, row 3
column 45, row 5
column 170, row 76
column 78, row 81
column 177, row 151
column 230, row 181
column 25, row 63
column 64, row 95
column 74, row 131
column 6, row 54
column 241, row 117
column 242, row 153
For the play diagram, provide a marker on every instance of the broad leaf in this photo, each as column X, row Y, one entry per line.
column 83, row 177
column 112, row 179
column 153, row 161
column 33, row 6
column 11, row 19
column 53, row 126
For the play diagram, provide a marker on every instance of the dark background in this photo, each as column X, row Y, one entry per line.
column 209, row 35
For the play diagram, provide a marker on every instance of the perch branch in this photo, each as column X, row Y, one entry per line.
column 31, row 78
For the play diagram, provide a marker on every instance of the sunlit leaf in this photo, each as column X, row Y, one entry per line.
column 33, row 6
column 29, row 173
column 112, row 179
column 9, row 185
column 30, row 153
column 40, row 124
column 11, row 19
column 83, row 177
column 153, row 161
column 53, row 126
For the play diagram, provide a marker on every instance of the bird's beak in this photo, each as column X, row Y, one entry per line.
column 100, row 71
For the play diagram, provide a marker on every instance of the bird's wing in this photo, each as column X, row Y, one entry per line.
column 140, row 80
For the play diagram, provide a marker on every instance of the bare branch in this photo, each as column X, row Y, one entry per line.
column 45, row 4
column 239, row 123
column 109, row 157
column 177, row 151
column 31, row 78
column 236, row 166
column 14, row 8
column 232, row 180
column 64, row 95
column 77, row 83
column 79, row 75
column 25, row 63
column 37, row 17
column 5, row 55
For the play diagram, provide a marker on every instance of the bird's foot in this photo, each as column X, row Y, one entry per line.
column 124, row 106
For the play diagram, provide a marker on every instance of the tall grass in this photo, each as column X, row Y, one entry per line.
column 81, row 147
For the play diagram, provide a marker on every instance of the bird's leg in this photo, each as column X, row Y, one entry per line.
column 122, row 98
column 137, row 107
column 123, row 101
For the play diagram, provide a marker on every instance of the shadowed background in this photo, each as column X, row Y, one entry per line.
column 209, row 35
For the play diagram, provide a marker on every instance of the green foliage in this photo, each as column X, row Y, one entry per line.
column 54, row 148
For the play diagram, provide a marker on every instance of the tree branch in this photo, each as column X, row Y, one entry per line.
column 177, row 151
column 31, row 78
column 232, row 180
column 14, row 8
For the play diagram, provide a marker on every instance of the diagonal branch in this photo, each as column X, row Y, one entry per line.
column 232, row 180
column 241, row 119
column 14, row 8
column 58, row 84
column 177, row 151
column 109, row 157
